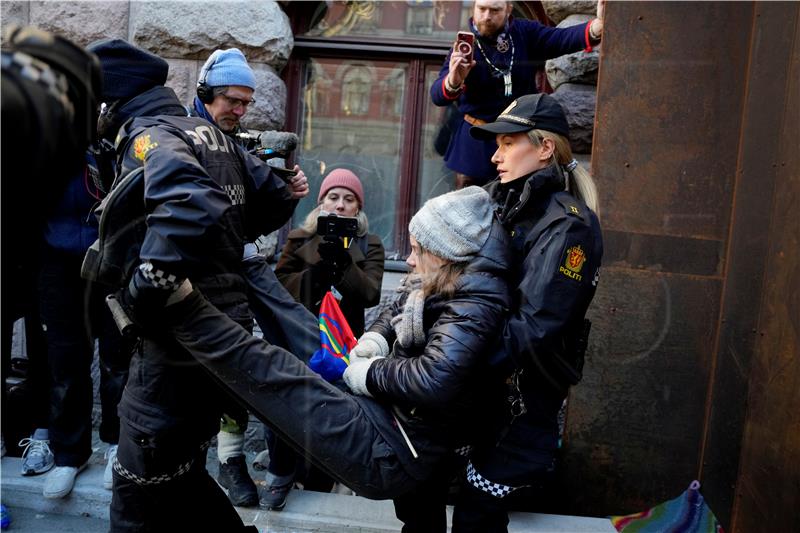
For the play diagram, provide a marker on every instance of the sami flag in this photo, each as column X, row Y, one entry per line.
column 336, row 340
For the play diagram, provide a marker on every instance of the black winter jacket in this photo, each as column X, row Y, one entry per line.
column 556, row 252
column 203, row 198
column 556, row 249
column 440, row 390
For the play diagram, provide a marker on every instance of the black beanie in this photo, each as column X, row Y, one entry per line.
column 127, row 70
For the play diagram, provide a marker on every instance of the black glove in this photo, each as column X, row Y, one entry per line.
column 335, row 254
column 143, row 302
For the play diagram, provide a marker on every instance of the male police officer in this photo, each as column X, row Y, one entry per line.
column 203, row 198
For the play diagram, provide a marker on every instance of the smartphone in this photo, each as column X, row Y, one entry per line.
column 464, row 43
column 286, row 174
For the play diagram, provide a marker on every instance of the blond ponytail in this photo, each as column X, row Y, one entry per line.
column 579, row 182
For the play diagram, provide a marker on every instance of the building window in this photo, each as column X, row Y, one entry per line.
column 419, row 19
column 358, row 84
column 360, row 135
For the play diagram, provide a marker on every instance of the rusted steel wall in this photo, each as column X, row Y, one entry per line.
column 679, row 156
column 767, row 493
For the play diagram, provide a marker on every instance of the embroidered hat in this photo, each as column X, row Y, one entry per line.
column 455, row 225
column 227, row 67
column 341, row 177
column 529, row 112
column 127, row 69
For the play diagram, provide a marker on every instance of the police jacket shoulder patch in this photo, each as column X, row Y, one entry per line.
column 572, row 206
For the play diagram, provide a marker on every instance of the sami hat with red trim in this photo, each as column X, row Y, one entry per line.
column 529, row 112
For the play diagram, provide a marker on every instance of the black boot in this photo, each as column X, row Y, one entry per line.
column 233, row 476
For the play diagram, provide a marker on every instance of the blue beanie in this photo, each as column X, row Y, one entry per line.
column 227, row 67
column 127, row 70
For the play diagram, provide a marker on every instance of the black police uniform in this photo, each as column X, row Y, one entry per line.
column 557, row 248
column 203, row 197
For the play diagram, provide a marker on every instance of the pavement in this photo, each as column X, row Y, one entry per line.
column 85, row 510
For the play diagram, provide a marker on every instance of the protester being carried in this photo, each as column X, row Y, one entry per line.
column 412, row 409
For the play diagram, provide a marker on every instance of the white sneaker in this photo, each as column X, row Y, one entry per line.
column 36, row 457
column 60, row 481
column 108, row 475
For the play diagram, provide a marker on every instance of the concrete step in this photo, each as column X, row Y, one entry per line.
column 305, row 511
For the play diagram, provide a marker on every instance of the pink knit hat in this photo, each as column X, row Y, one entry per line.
column 341, row 177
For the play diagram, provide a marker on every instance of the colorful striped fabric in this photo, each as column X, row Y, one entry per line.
column 336, row 340
column 688, row 513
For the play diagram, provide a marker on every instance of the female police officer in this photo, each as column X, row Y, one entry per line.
column 547, row 203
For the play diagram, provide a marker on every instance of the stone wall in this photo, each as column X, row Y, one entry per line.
column 573, row 77
column 183, row 33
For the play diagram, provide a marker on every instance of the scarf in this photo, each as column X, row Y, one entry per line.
column 408, row 324
column 201, row 111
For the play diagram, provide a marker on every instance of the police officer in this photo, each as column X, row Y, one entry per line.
column 203, row 198
column 548, row 204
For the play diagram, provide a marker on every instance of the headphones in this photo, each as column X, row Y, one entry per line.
column 204, row 92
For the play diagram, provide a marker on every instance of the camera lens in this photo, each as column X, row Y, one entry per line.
column 464, row 48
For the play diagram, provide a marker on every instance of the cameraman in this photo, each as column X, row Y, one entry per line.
column 225, row 90
column 309, row 265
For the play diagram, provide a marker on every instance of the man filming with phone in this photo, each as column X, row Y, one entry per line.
column 490, row 66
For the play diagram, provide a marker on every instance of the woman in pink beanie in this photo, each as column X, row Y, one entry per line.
column 308, row 267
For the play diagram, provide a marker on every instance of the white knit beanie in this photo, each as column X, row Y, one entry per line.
column 455, row 225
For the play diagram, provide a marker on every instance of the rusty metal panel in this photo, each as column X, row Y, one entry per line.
column 768, row 484
column 761, row 186
column 636, row 421
column 670, row 93
column 669, row 109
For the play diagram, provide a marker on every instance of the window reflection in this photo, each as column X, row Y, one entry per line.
column 352, row 118
column 356, row 85
column 437, row 126
column 430, row 20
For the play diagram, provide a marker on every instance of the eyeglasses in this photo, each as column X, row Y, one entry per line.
column 236, row 102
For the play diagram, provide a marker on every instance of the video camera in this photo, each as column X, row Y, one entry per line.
column 335, row 226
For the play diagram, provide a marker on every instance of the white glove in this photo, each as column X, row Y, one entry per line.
column 370, row 344
column 355, row 375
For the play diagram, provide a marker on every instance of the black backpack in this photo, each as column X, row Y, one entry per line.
column 112, row 258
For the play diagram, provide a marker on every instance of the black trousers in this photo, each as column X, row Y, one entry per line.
column 27, row 407
column 353, row 439
column 284, row 461
column 523, row 457
column 477, row 511
column 425, row 509
column 73, row 315
column 167, row 489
